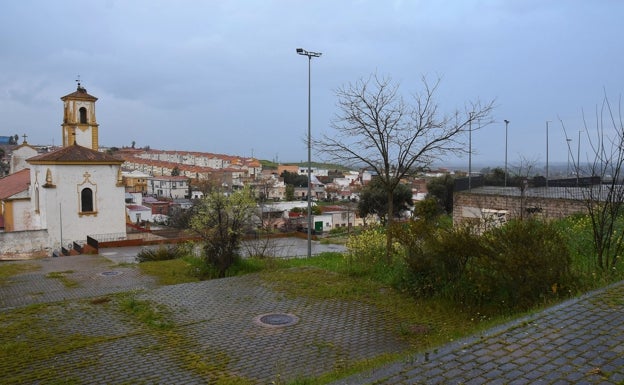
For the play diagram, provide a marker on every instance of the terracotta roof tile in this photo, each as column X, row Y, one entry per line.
column 80, row 93
column 14, row 183
column 75, row 154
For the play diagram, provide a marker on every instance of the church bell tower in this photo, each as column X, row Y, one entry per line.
column 79, row 124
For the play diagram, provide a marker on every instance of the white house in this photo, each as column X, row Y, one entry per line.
column 168, row 186
column 19, row 156
column 138, row 213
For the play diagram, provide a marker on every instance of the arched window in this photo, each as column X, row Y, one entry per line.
column 83, row 115
column 86, row 200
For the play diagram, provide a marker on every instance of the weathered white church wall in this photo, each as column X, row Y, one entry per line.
column 19, row 156
column 62, row 214
column 23, row 217
column 18, row 242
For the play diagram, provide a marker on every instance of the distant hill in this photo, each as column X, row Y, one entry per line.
column 267, row 164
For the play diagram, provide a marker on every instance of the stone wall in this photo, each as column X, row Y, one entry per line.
column 474, row 205
column 24, row 242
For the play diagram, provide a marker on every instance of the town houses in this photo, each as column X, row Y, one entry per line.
column 56, row 197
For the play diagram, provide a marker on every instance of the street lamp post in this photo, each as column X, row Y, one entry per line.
column 470, row 152
column 548, row 121
column 310, row 55
column 578, row 158
column 506, row 125
column 569, row 140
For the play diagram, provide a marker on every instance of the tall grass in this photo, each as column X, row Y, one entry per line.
column 577, row 232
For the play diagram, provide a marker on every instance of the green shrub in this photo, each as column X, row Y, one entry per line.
column 436, row 257
column 202, row 269
column 162, row 253
column 524, row 262
column 508, row 268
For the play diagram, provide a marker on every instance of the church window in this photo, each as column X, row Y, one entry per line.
column 83, row 115
column 86, row 200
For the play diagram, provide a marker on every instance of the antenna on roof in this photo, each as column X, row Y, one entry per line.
column 80, row 88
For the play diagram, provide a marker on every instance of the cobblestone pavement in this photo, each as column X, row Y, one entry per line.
column 216, row 333
column 216, row 336
column 94, row 275
column 580, row 341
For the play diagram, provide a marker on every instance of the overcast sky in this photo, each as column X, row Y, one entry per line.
column 224, row 77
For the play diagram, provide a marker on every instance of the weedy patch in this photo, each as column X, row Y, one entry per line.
column 29, row 337
column 152, row 315
column 8, row 270
column 198, row 359
column 62, row 277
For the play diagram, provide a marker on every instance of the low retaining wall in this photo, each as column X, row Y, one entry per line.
column 143, row 242
column 24, row 242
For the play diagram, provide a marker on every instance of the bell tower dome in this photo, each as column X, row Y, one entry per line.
column 79, row 124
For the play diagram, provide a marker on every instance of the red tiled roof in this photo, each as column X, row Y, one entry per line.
column 74, row 154
column 333, row 208
column 80, row 93
column 14, row 183
column 171, row 178
column 137, row 208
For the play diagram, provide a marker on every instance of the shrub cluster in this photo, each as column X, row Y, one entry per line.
column 162, row 253
column 513, row 267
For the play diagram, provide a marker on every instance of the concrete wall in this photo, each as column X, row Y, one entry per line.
column 19, row 242
column 472, row 205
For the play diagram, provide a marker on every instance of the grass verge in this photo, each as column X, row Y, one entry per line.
column 424, row 324
column 29, row 341
column 7, row 270
column 170, row 272
column 62, row 277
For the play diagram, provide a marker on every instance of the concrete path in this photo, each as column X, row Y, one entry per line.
column 218, row 336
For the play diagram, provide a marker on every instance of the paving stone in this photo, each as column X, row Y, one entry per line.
column 215, row 335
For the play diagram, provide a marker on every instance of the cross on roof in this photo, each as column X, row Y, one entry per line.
column 25, row 136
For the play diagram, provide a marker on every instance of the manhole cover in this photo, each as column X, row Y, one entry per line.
column 110, row 273
column 276, row 320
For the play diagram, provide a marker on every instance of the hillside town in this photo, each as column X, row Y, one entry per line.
column 128, row 189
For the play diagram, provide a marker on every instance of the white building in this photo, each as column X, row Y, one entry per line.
column 168, row 186
column 77, row 191
column 73, row 192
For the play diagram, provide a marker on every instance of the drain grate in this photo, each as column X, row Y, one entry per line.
column 110, row 273
column 276, row 320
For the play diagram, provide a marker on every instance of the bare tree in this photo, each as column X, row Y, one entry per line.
column 605, row 201
column 521, row 173
column 376, row 128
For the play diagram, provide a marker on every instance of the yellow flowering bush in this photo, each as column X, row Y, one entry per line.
column 368, row 249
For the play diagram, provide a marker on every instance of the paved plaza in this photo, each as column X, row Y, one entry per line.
column 220, row 334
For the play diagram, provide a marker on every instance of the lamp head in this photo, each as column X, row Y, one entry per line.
column 506, row 121
column 300, row 51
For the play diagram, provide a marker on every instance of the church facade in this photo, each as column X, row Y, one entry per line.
column 73, row 192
